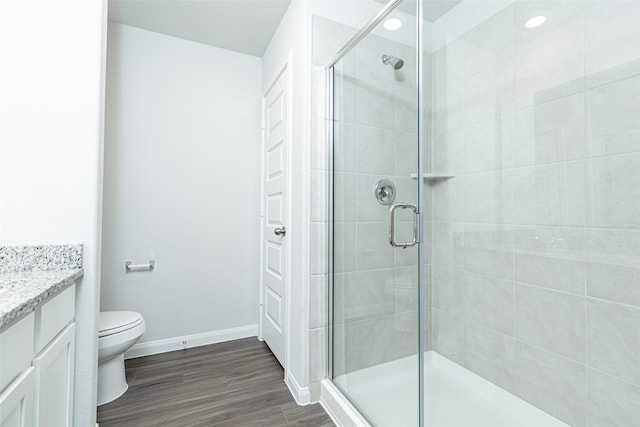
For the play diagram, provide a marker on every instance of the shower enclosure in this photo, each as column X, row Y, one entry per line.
column 484, row 199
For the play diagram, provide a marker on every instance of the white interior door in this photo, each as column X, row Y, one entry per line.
column 274, row 241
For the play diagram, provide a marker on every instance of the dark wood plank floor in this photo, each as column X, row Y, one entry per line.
column 232, row 384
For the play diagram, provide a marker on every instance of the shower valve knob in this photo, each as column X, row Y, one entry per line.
column 385, row 191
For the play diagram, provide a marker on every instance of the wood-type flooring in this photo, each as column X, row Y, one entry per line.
column 231, row 384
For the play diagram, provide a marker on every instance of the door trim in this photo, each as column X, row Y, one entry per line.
column 286, row 68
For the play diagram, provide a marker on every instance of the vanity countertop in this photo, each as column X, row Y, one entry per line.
column 23, row 291
column 29, row 276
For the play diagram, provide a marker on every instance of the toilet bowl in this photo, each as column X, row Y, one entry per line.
column 117, row 332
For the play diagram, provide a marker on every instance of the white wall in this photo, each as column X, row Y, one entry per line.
column 51, row 87
column 182, row 174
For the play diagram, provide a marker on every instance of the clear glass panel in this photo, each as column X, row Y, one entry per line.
column 375, row 286
column 534, row 237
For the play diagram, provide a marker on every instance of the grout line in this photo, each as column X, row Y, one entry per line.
column 546, row 350
column 621, row 304
column 624, row 380
column 586, row 159
column 534, row 226
column 587, row 209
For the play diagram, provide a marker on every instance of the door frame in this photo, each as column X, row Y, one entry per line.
column 286, row 71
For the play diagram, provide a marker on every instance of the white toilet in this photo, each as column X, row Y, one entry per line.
column 117, row 332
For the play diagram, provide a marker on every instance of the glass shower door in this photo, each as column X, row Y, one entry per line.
column 375, row 227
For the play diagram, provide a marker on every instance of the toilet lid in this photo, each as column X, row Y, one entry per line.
column 112, row 322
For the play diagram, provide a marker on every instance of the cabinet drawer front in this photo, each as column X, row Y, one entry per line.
column 16, row 402
column 16, row 349
column 54, row 316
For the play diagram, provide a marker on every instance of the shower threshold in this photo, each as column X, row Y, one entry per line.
column 454, row 396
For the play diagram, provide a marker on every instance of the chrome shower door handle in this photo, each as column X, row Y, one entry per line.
column 392, row 226
column 281, row 231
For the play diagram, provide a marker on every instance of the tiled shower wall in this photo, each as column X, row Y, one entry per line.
column 535, row 242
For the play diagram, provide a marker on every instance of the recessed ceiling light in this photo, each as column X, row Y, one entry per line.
column 392, row 24
column 536, row 21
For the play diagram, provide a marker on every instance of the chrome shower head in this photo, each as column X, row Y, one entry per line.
column 394, row 61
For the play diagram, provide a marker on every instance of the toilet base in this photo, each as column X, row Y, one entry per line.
column 112, row 382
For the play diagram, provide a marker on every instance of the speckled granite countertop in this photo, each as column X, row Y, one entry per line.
column 31, row 275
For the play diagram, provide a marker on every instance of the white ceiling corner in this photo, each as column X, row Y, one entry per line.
column 432, row 9
column 244, row 26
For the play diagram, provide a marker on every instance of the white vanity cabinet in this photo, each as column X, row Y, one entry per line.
column 16, row 402
column 17, row 388
column 55, row 336
column 54, row 380
column 37, row 366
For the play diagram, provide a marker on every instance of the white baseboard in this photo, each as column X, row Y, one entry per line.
column 302, row 395
column 340, row 410
column 189, row 341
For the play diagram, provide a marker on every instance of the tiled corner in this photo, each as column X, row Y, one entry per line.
column 489, row 302
column 488, row 249
column 447, row 291
column 447, row 335
column 490, row 354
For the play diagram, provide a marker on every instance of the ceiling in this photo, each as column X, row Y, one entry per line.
column 244, row 26
column 432, row 9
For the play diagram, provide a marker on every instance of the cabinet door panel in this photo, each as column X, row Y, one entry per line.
column 16, row 402
column 16, row 349
column 54, row 368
